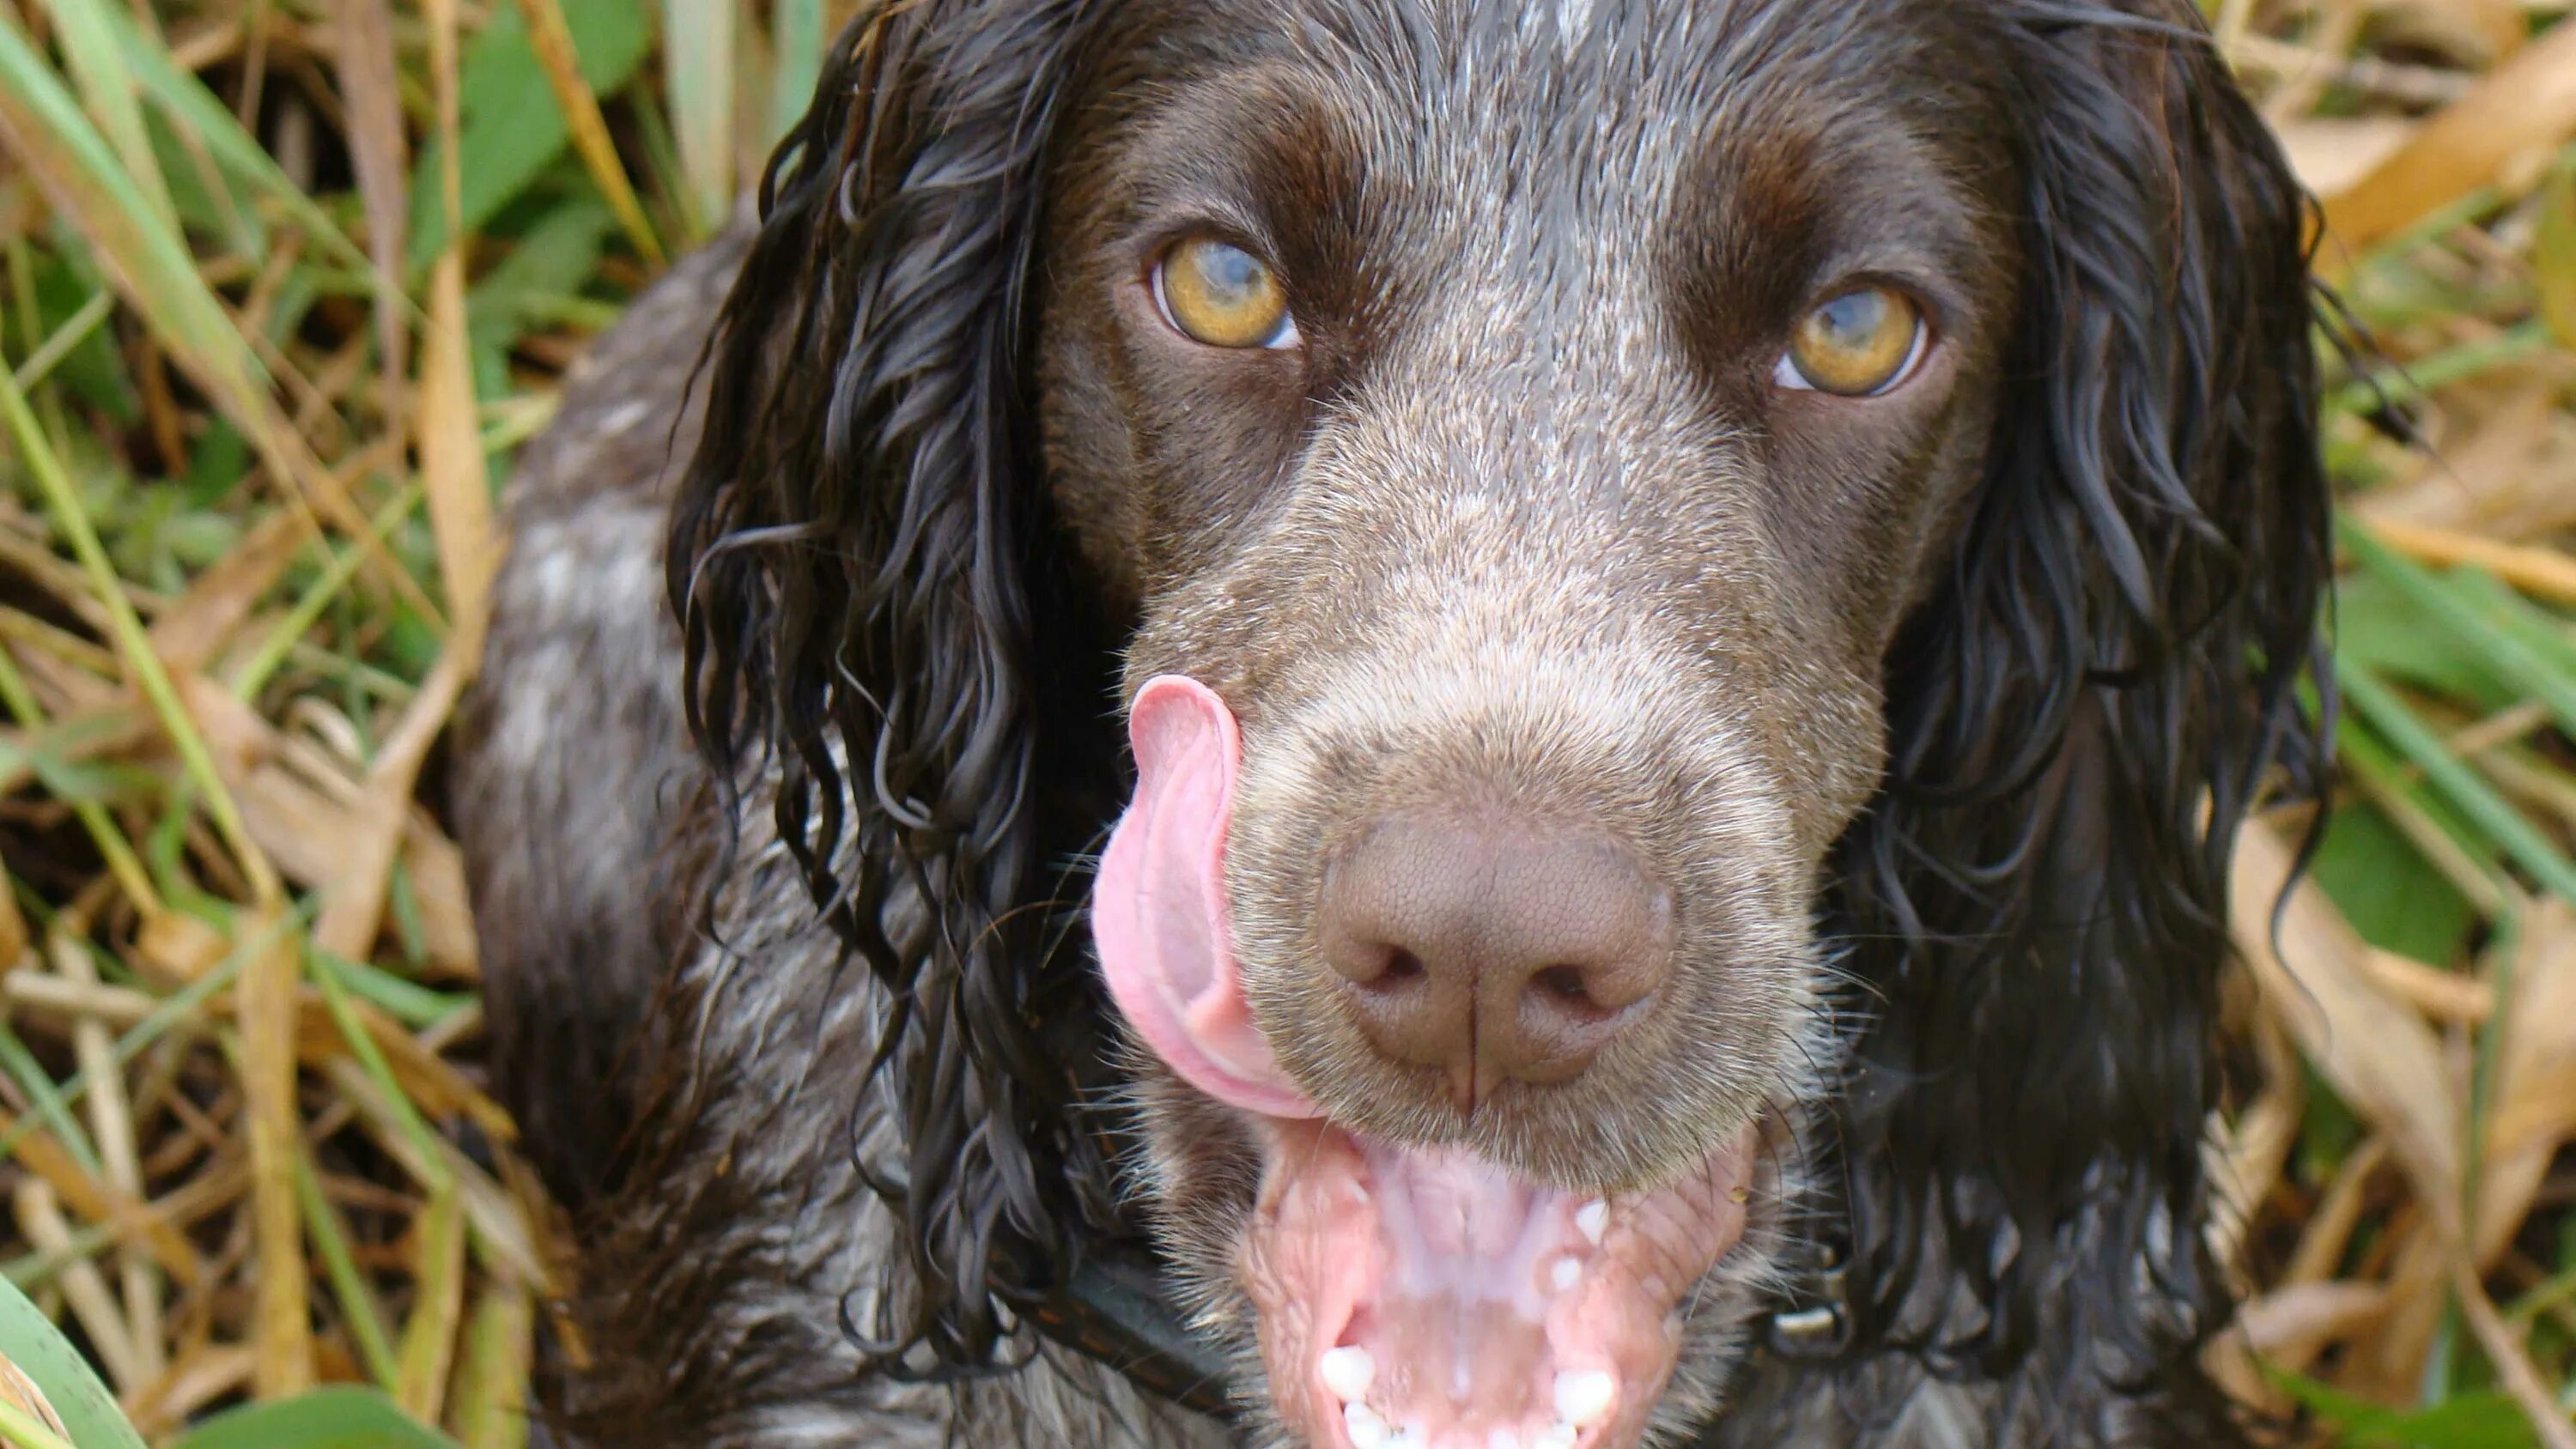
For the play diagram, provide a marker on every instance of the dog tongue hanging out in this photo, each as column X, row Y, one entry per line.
column 1408, row 1297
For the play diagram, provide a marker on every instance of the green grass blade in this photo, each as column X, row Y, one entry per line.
column 56, row 143
column 2450, row 607
column 19, row 1430
column 2394, row 386
column 514, row 130
column 144, row 668
column 336, row 1418
column 86, row 30
column 66, row 339
column 2472, row 795
column 358, row 1307
column 2500, row 607
column 408, row 1002
column 797, row 37
column 68, row 1383
column 371, row 1059
column 188, row 103
column 50, row 1108
column 698, row 65
column 94, row 818
column 179, row 1008
column 32, row 1269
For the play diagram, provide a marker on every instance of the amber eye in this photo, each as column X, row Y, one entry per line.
column 1858, row 344
column 1222, row 295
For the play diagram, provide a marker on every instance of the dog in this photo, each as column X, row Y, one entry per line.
column 1396, row 724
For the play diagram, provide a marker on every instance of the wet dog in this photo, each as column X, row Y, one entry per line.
column 1561, row 687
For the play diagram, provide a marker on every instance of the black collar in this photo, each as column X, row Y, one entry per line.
column 1115, row 1311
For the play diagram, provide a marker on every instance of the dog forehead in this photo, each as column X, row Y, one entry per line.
column 1535, row 64
column 1545, row 57
column 1540, row 130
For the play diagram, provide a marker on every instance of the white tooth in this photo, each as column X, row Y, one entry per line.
column 1584, row 1397
column 1502, row 1439
column 1348, row 1371
column 1594, row 1219
column 1366, row 1429
column 1567, row 1273
column 1555, row 1436
column 1359, row 1194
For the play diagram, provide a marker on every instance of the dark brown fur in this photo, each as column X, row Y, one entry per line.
column 1936, row 710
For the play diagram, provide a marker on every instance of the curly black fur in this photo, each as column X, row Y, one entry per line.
column 852, row 561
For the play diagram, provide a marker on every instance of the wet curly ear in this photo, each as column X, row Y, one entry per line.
column 1159, row 913
column 2116, row 667
column 857, row 556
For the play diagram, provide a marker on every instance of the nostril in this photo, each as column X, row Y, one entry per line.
column 1564, row 983
column 1377, row 968
column 1570, row 996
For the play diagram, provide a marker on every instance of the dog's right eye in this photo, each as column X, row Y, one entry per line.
column 1219, row 294
column 1859, row 344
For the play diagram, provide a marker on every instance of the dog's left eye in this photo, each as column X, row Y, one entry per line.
column 1860, row 343
column 1219, row 294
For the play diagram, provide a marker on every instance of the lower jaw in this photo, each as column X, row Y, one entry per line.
column 1413, row 1299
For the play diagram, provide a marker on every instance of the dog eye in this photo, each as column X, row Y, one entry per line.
column 1859, row 344
column 1222, row 295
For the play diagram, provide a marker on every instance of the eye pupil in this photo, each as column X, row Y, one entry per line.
column 1852, row 319
column 1231, row 272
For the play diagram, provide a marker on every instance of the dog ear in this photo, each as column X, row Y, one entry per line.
column 2079, row 720
column 851, row 558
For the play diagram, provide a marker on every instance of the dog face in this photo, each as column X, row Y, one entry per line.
column 1611, row 384
column 1525, row 509
column 1552, row 463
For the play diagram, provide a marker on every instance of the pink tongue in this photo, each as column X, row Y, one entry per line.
column 1158, row 911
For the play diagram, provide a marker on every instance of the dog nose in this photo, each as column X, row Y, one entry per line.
column 1496, row 949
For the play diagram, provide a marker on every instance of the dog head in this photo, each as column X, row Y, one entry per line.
column 1668, row 565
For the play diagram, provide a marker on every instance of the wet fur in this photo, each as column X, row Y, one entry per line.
column 1967, row 898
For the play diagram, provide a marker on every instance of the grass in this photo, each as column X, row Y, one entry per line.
column 283, row 284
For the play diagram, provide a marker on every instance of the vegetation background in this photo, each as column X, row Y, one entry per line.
column 283, row 284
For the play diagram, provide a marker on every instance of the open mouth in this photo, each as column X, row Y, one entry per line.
column 1407, row 1298
column 1426, row 1300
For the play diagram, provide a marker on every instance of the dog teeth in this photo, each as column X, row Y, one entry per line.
column 1593, row 1218
column 1582, row 1397
column 1366, row 1429
column 1566, row 1274
column 1559, row 1435
column 1348, row 1371
column 1502, row 1439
